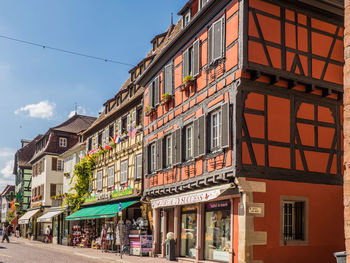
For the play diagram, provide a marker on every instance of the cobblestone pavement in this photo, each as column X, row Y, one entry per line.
column 25, row 251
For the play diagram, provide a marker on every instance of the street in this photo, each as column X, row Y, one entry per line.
column 25, row 252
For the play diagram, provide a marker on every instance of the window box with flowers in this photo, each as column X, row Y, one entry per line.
column 187, row 82
column 166, row 98
column 149, row 110
column 139, row 127
column 58, row 197
column 123, row 136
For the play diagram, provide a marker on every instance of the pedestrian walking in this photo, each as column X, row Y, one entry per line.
column 6, row 234
column 17, row 231
column 47, row 234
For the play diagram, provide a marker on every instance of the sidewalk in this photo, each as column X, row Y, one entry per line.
column 90, row 253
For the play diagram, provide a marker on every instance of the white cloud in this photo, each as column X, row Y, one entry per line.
column 7, row 152
column 43, row 109
column 6, row 172
column 80, row 110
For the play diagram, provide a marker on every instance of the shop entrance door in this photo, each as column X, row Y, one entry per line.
column 188, row 232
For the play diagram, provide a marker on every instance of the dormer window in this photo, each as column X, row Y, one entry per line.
column 202, row 3
column 187, row 18
column 62, row 142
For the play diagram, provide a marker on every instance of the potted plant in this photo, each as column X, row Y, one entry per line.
column 149, row 110
column 166, row 98
column 187, row 82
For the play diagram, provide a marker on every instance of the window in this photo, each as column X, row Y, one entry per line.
column 124, row 172
column 111, row 132
column 53, row 164
column 189, row 142
column 138, row 166
column 62, row 142
column 99, row 139
column 215, row 130
column 90, row 144
column 202, row 3
column 153, row 92
column 191, row 60
column 215, row 41
column 168, row 150
column 124, row 124
column 60, row 165
column 187, row 18
column 52, row 190
column 153, row 155
column 168, row 79
column 293, row 220
column 110, row 178
column 99, row 180
column 139, row 114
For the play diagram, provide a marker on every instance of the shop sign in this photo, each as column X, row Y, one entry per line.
column 186, row 199
column 225, row 204
column 254, row 210
column 109, row 195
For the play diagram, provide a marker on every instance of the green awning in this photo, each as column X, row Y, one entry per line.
column 99, row 211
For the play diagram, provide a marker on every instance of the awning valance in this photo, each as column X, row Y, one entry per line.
column 28, row 215
column 192, row 197
column 46, row 218
column 99, row 211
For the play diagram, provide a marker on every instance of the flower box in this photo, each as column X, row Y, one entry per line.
column 150, row 110
column 139, row 127
column 123, row 136
column 166, row 98
column 188, row 82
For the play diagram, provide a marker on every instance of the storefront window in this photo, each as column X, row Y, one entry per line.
column 218, row 229
column 188, row 231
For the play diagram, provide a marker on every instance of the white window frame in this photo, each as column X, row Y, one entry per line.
column 189, row 142
column 60, row 165
column 124, row 167
column 99, row 180
column 201, row 4
column 111, row 176
column 185, row 17
column 168, row 150
column 153, row 155
column 62, row 142
column 215, row 140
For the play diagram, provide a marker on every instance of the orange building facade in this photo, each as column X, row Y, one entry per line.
column 243, row 144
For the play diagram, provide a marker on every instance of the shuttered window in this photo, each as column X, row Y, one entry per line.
column 138, row 166
column 111, row 132
column 153, row 157
column 168, row 79
column 110, row 177
column 215, row 40
column 156, row 91
column 119, row 127
column 99, row 139
column 215, row 130
column 59, row 165
column 196, row 56
column 168, row 150
column 225, row 127
column 151, row 94
column 185, row 64
column 159, row 159
column 99, row 180
column 124, row 172
column 54, row 164
column 52, row 190
column 189, row 142
column 190, row 60
column 133, row 118
column 177, row 141
column 146, row 160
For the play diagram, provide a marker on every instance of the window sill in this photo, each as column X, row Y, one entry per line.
column 214, row 153
column 294, row 243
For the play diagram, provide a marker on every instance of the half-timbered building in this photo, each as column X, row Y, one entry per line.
column 243, row 132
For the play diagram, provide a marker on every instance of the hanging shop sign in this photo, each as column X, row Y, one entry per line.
column 191, row 198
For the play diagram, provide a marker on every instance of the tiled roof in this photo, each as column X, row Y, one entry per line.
column 75, row 124
column 7, row 189
column 23, row 155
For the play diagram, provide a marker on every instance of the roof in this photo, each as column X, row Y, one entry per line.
column 72, row 149
column 7, row 189
column 75, row 124
column 185, row 7
column 23, row 155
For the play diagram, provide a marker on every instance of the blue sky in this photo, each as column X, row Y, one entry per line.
column 39, row 87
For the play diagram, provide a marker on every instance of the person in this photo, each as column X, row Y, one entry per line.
column 103, row 239
column 6, row 234
column 17, row 231
column 47, row 234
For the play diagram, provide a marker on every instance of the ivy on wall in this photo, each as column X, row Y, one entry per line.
column 80, row 191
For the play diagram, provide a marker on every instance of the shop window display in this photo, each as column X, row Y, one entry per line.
column 218, row 229
column 188, row 231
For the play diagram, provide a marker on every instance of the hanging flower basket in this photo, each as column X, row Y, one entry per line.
column 188, row 82
column 166, row 98
column 149, row 110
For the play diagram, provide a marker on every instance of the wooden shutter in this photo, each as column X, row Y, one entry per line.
column 52, row 189
column 119, row 127
column 42, row 191
column 168, row 82
column 156, row 91
column 178, row 147
column 159, row 154
column 195, row 138
column 150, row 94
column 54, row 164
column 201, row 135
column 173, row 151
column 207, row 124
column 210, row 45
column 145, row 160
column 225, row 125
column 185, row 63
column 133, row 118
column 196, row 55
column 218, row 37
column 128, row 123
